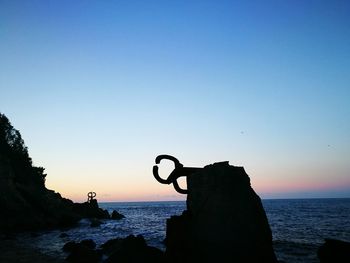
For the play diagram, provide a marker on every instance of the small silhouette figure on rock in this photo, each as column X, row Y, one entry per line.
column 91, row 196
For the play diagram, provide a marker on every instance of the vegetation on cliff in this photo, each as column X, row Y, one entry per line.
column 13, row 149
column 25, row 202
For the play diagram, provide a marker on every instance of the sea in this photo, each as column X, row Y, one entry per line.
column 299, row 226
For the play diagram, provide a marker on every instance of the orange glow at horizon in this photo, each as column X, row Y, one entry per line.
column 152, row 191
column 132, row 183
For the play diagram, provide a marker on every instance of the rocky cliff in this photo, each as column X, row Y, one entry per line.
column 25, row 202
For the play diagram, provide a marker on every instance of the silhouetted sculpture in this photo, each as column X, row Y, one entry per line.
column 179, row 171
column 91, row 196
column 224, row 221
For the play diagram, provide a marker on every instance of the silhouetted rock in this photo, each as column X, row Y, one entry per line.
column 95, row 222
column 131, row 249
column 84, row 255
column 334, row 251
column 116, row 216
column 224, row 222
column 88, row 243
column 111, row 245
column 82, row 252
column 176, row 241
column 63, row 235
column 34, row 234
column 25, row 202
column 90, row 210
column 69, row 246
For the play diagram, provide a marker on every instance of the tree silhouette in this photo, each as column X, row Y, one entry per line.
column 12, row 147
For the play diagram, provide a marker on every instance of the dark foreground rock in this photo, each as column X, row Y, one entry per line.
column 95, row 222
column 334, row 251
column 224, row 222
column 82, row 252
column 131, row 250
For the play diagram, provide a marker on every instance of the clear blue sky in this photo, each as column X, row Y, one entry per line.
column 99, row 88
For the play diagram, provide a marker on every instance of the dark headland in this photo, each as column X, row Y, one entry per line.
column 27, row 205
column 224, row 220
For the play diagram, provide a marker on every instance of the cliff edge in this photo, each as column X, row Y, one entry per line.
column 25, row 202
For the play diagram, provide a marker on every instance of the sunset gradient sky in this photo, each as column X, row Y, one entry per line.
column 99, row 88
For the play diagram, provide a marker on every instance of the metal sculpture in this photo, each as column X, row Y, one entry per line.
column 179, row 171
column 91, row 196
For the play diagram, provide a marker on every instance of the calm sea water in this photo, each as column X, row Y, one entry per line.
column 299, row 226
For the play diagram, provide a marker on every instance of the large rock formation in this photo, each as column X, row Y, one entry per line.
column 334, row 251
column 25, row 202
column 224, row 222
column 131, row 249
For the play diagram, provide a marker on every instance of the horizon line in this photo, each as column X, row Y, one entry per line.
column 155, row 201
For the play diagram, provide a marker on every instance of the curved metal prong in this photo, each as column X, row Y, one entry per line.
column 178, row 188
column 168, row 157
column 158, row 178
column 174, row 175
column 177, row 164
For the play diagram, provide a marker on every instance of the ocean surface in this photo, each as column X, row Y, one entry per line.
column 299, row 226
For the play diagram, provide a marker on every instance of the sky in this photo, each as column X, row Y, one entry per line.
column 98, row 89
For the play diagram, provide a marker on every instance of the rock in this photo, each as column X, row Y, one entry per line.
column 95, row 222
column 23, row 191
column 176, row 241
column 224, row 222
column 334, row 251
column 116, row 216
column 111, row 245
column 63, row 235
column 131, row 250
column 88, row 243
column 69, row 246
column 82, row 252
column 8, row 236
column 90, row 210
column 34, row 234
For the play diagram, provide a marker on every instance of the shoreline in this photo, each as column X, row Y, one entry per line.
column 12, row 251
